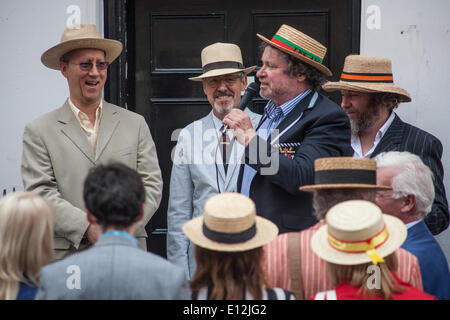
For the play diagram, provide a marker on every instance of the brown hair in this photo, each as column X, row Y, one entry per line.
column 324, row 199
column 296, row 67
column 229, row 274
column 358, row 276
column 387, row 100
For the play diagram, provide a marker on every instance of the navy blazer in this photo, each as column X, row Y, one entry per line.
column 432, row 261
column 402, row 136
column 320, row 131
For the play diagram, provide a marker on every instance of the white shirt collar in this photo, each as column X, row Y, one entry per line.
column 218, row 124
column 76, row 110
column 411, row 224
column 356, row 143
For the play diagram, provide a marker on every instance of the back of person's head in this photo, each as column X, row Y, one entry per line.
column 26, row 240
column 230, row 273
column 324, row 199
column 358, row 236
column 413, row 178
column 229, row 239
column 114, row 194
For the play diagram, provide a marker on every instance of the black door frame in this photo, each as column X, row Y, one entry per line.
column 118, row 25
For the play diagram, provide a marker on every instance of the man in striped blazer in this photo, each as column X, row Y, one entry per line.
column 369, row 98
column 290, row 262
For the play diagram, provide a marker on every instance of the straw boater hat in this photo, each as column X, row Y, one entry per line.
column 357, row 232
column 221, row 58
column 83, row 36
column 344, row 172
column 229, row 223
column 300, row 46
column 367, row 74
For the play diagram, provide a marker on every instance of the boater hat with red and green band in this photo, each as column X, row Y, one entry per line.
column 300, row 46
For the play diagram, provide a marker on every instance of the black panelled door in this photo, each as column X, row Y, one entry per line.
column 164, row 39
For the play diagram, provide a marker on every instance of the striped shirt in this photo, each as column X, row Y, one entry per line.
column 314, row 270
column 272, row 117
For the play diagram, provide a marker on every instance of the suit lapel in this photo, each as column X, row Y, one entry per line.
column 72, row 129
column 108, row 124
column 392, row 138
column 293, row 116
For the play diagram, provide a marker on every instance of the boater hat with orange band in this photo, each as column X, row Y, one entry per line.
column 367, row 74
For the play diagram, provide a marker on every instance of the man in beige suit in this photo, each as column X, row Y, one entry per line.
column 61, row 146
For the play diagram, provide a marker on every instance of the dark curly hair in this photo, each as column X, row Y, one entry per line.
column 114, row 194
column 295, row 67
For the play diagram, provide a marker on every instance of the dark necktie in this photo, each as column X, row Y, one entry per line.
column 225, row 143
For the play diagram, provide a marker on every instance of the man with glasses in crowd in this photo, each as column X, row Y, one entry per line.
column 206, row 160
column 60, row 147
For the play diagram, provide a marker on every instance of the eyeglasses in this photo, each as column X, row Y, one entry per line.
column 215, row 82
column 87, row 66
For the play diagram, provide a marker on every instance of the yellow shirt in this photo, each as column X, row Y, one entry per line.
column 90, row 130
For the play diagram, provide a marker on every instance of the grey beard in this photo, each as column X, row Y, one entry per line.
column 222, row 111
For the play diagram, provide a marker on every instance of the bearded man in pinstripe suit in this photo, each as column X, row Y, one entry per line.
column 369, row 97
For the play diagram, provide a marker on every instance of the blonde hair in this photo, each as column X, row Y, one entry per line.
column 26, row 240
column 357, row 276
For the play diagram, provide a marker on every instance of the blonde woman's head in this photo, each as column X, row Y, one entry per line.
column 26, row 240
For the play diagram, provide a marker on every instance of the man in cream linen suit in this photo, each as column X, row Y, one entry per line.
column 61, row 146
column 198, row 170
column 114, row 268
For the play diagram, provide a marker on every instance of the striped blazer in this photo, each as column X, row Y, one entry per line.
column 402, row 136
column 315, row 271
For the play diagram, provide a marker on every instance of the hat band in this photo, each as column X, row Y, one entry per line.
column 222, row 65
column 286, row 44
column 224, row 237
column 368, row 246
column 368, row 77
column 340, row 176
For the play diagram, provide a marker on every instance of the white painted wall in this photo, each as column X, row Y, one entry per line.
column 28, row 89
column 415, row 35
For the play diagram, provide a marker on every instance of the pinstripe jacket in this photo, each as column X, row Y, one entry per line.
column 314, row 271
column 402, row 136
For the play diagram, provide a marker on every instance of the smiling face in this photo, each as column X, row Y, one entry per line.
column 224, row 92
column 85, row 87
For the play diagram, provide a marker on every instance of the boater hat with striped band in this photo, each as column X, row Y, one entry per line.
column 229, row 223
column 344, row 172
column 221, row 58
column 367, row 74
column 300, row 46
column 357, row 232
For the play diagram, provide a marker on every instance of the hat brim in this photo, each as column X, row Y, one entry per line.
column 266, row 231
column 321, row 247
column 51, row 57
column 219, row 72
column 343, row 186
column 368, row 88
column 312, row 63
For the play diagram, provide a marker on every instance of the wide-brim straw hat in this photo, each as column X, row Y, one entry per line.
column 229, row 223
column 300, row 46
column 350, row 226
column 367, row 74
column 344, row 172
column 221, row 58
column 83, row 36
